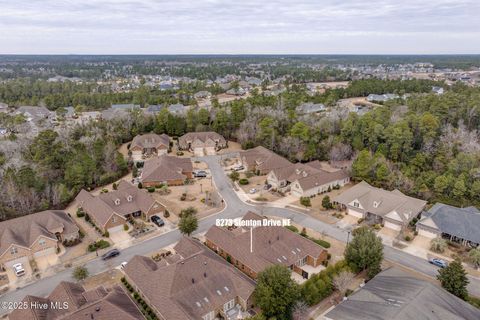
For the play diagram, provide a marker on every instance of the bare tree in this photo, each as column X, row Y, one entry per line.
column 343, row 280
column 300, row 310
column 340, row 151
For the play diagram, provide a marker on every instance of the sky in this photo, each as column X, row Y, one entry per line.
column 239, row 27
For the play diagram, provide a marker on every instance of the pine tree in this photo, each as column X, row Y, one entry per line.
column 454, row 279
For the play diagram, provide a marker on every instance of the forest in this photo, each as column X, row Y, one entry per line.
column 427, row 146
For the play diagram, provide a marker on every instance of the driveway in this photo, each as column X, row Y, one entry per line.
column 45, row 262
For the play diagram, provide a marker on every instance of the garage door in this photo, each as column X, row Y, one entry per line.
column 45, row 252
column 115, row 229
column 392, row 226
column 198, row 152
column 210, row 150
column 354, row 213
column 22, row 260
column 427, row 234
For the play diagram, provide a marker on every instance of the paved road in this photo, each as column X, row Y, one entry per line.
column 235, row 208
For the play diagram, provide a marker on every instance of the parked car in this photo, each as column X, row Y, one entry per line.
column 267, row 186
column 111, row 254
column 238, row 168
column 438, row 262
column 18, row 269
column 158, row 221
column 253, row 190
column 200, row 174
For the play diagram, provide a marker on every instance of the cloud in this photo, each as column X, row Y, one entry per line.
column 247, row 26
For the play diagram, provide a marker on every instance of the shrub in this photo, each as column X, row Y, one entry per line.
column 183, row 197
column 80, row 213
column 243, row 181
column 180, row 153
column 292, row 228
column 106, row 234
column 438, row 245
column 348, row 292
column 140, row 185
column 114, row 186
column 166, row 214
column 305, row 201
column 234, row 176
column 359, row 221
column 323, row 243
column 408, row 238
column 151, row 189
column 304, row 232
column 125, row 227
column 87, row 217
column 80, row 273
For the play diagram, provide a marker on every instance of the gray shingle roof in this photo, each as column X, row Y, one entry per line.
column 461, row 222
column 395, row 295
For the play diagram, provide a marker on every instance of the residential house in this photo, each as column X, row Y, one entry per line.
column 261, row 160
column 193, row 283
column 73, row 302
column 382, row 97
column 309, row 108
column 110, row 211
column 178, row 109
column 391, row 208
column 153, row 109
column 3, row 131
column 456, row 224
column 36, row 235
column 125, row 107
column 236, row 91
column 397, row 294
column 201, row 143
column 145, row 145
column 271, row 245
column 437, row 90
column 172, row 171
column 87, row 116
column 36, row 114
column 202, row 95
column 306, row 180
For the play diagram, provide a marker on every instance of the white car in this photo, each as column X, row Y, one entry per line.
column 253, row 190
column 18, row 269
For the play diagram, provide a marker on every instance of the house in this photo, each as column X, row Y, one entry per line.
column 261, row 160
column 396, row 294
column 306, row 180
column 28, row 237
column 202, row 95
column 3, row 131
column 437, row 90
column 87, row 116
column 391, row 208
column 456, row 224
column 172, row 171
column 110, row 211
column 125, row 107
column 153, row 109
column 309, row 108
column 382, row 97
column 73, row 302
column 271, row 245
column 192, row 283
column 201, row 143
column 37, row 115
column 236, row 91
column 178, row 109
column 149, row 144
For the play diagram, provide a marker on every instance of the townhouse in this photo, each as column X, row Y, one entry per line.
column 253, row 249
column 149, row 144
column 172, row 171
column 40, row 234
column 109, row 211
column 192, row 283
column 261, row 160
column 201, row 143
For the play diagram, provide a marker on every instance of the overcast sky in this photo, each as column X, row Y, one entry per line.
column 239, row 26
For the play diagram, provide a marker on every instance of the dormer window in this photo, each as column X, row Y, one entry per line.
column 129, row 198
column 117, row 202
column 356, row 204
column 297, row 171
column 13, row 250
column 376, row 204
column 304, row 173
column 42, row 242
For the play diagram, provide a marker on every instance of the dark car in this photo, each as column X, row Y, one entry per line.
column 438, row 262
column 111, row 254
column 158, row 221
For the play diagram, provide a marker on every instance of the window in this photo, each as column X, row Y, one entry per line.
column 356, row 204
column 129, row 198
column 13, row 250
column 209, row 316
column 114, row 219
column 42, row 242
column 229, row 305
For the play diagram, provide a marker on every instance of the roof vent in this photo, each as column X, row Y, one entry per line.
column 205, row 274
column 97, row 308
column 129, row 198
column 117, row 202
column 304, row 173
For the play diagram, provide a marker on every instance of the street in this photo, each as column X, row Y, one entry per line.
column 234, row 208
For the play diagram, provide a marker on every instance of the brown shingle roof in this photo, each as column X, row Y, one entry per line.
column 103, row 206
column 263, row 159
column 98, row 304
column 271, row 245
column 201, row 139
column 191, row 287
column 166, row 168
column 149, row 141
column 382, row 202
column 24, row 231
